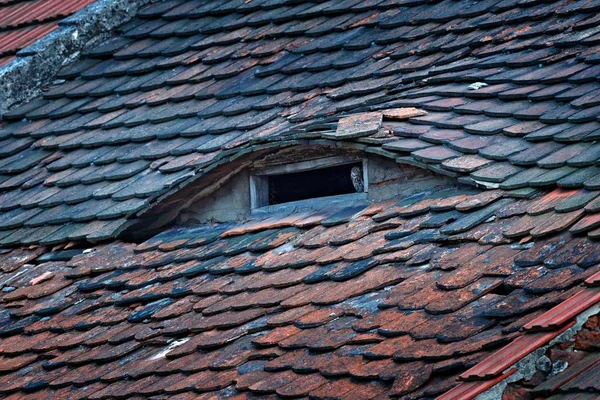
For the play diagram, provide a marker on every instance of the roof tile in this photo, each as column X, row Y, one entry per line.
column 156, row 99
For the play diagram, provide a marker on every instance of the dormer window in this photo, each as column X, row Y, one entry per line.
column 329, row 178
column 299, row 178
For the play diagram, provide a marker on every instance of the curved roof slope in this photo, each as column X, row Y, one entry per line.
column 393, row 300
column 22, row 22
column 187, row 84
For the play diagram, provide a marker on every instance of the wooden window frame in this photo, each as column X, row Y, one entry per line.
column 259, row 178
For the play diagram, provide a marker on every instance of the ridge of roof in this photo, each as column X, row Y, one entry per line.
column 36, row 40
column 23, row 22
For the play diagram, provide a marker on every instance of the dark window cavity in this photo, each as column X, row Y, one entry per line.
column 323, row 182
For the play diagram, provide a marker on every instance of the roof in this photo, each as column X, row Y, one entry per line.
column 567, row 370
column 22, row 22
column 434, row 294
column 389, row 300
column 187, row 85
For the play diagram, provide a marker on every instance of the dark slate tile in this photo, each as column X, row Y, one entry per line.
column 539, row 251
column 29, row 176
column 586, row 158
column 536, row 110
column 151, row 184
column 406, row 145
column 524, row 75
column 15, row 237
column 149, row 310
column 342, row 216
column 496, row 172
column 100, row 230
column 589, row 99
column 561, row 156
column 17, row 217
column 78, row 177
column 124, row 208
column 19, row 112
column 576, row 202
column 578, row 178
column 521, row 179
column 587, row 115
column 476, row 107
column 578, row 91
column 549, row 92
column 157, row 9
column 220, row 141
column 35, row 238
column 507, row 109
column 73, row 70
column 12, row 146
column 551, row 176
column 23, row 161
column 466, row 164
column 523, row 128
column 72, row 195
column 547, row 132
column 578, row 132
column 593, row 182
column 436, row 136
column 534, row 153
column 474, row 218
column 441, row 219
column 470, row 143
column 54, row 215
column 558, row 115
column 107, row 48
column 435, row 154
column 503, row 149
column 564, row 71
column 352, row 270
column 490, row 127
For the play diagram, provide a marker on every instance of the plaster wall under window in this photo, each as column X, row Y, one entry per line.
column 237, row 198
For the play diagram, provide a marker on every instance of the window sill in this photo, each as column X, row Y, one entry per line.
column 319, row 203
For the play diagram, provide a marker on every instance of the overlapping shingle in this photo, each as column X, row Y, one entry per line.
column 566, row 370
column 506, row 87
column 385, row 301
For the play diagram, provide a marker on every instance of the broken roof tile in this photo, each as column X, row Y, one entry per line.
column 357, row 126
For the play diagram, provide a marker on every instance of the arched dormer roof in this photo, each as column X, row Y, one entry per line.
column 185, row 85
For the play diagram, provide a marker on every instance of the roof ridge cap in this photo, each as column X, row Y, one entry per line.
column 22, row 79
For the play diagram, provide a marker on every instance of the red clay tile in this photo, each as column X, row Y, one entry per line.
column 277, row 335
column 272, row 382
column 411, row 377
column 585, row 224
column 335, row 388
column 549, row 201
column 566, row 310
column 470, row 390
column 357, row 126
column 15, row 363
column 557, row 223
column 301, row 386
column 499, row 361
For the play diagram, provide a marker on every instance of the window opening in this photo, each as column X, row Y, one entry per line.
column 273, row 187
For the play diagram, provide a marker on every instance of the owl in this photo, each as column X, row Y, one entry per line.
column 356, row 176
